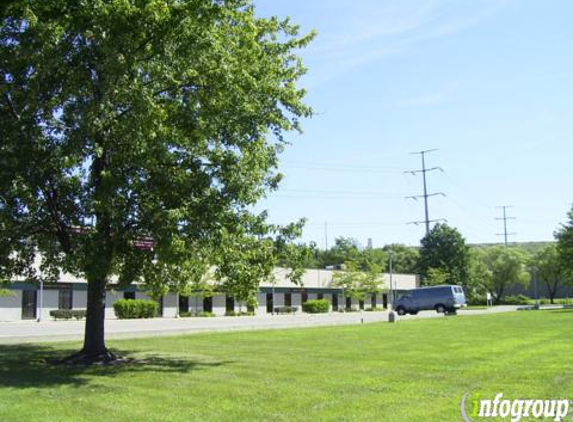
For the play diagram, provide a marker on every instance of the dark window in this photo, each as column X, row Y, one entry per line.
column 373, row 300
column 288, row 299
column 208, row 304
column 320, row 296
column 65, row 299
column 348, row 303
column 129, row 295
column 269, row 303
column 335, row 301
column 304, row 297
column 183, row 303
column 361, row 304
column 229, row 303
column 29, row 304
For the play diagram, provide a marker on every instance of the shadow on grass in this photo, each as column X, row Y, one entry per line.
column 32, row 365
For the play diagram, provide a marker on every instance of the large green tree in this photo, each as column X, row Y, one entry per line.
column 445, row 249
column 506, row 267
column 136, row 136
column 550, row 269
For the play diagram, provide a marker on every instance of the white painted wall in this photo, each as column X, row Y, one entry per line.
column 49, row 303
column 79, row 299
column 11, row 306
column 219, row 305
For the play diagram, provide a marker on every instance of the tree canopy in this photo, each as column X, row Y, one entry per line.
column 445, row 249
column 136, row 136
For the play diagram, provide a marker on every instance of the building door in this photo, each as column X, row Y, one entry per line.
column 29, row 304
column 361, row 304
column 373, row 300
column 385, row 301
column 229, row 304
column 183, row 303
column 348, row 303
column 208, row 304
column 269, row 303
column 335, row 302
column 288, row 299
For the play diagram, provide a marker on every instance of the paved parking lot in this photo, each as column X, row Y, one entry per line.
column 31, row 331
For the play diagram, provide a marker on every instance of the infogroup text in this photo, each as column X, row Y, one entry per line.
column 516, row 410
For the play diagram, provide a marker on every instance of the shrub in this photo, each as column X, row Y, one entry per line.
column 185, row 314
column 230, row 313
column 285, row 309
column 205, row 314
column 516, row 300
column 68, row 314
column 374, row 309
column 318, row 306
column 135, row 308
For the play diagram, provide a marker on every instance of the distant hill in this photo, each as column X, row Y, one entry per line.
column 530, row 247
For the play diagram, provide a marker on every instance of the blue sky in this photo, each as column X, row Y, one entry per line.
column 489, row 83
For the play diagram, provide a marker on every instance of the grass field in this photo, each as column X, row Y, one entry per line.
column 411, row 371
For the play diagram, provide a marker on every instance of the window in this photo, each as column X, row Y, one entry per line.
column 129, row 295
column 229, row 303
column 335, row 301
column 208, row 304
column 65, row 298
column 29, row 304
column 288, row 299
column 320, row 296
column 183, row 303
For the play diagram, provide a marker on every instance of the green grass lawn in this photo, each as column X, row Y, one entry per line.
column 410, row 371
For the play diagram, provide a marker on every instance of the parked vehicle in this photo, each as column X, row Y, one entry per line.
column 442, row 299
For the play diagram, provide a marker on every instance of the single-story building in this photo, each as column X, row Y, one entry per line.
column 30, row 301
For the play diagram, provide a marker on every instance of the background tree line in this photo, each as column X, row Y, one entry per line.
column 444, row 257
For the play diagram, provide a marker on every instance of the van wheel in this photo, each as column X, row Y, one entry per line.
column 440, row 309
column 400, row 311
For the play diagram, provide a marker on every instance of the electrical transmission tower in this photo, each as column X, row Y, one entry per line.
column 505, row 234
column 426, row 195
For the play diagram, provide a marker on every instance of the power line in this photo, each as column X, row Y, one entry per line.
column 426, row 195
column 505, row 234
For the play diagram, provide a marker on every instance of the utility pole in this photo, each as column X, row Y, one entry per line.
column 426, row 195
column 505, row 234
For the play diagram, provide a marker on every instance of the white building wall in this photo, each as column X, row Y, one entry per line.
column 79, row 299
column 219, row 305
column 262, row 308
column 11, row 306
column 296, row 300
column 49, row 303
column 170, row 305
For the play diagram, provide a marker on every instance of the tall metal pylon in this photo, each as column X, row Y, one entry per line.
column 426, row 195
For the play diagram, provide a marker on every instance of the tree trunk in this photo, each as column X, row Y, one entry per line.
column 94, row 338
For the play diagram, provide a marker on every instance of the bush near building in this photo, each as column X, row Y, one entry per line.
column 67, row 314
column 135, row 308
column 316, row 306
